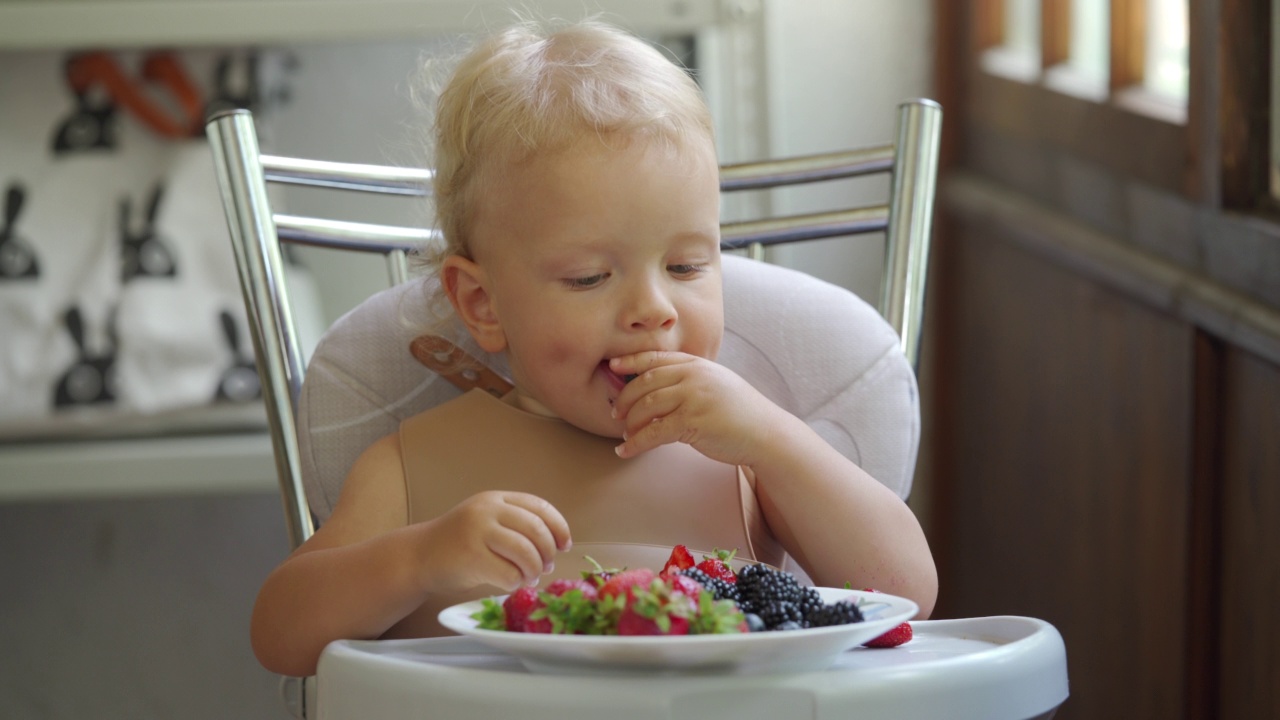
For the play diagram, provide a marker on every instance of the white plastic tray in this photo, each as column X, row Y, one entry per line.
column 996, row 668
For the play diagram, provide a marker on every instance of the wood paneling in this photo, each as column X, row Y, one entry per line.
column 1243, row 107
column 1152, row 151
column 1069, row 471
column 1249, row 601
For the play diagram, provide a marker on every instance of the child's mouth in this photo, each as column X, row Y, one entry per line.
column 616, row 380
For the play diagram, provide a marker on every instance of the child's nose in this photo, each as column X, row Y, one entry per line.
column 651, row 309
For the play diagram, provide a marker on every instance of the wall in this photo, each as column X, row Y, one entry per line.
column 837, row 70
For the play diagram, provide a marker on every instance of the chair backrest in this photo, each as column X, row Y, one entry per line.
column 814, row 348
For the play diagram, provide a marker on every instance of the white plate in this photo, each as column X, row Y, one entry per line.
column 779, row 651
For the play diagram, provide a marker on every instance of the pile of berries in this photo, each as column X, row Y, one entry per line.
column 684, row 598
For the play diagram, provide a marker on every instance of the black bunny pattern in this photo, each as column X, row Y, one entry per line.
column 91, row 379
column 144, row 252
column 17, row 259
column 239, row 382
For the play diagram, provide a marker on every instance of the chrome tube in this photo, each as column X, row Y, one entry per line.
column 234, row 143
column 812, row 226
column 806, row 169
column 915, row 173
column 357, row 236
column 347, row 176
column 397, row 267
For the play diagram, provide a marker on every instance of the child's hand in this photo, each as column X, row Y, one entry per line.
column 506, row 539
column 677, row 397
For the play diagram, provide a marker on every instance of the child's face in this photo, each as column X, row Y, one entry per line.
column 596, row 253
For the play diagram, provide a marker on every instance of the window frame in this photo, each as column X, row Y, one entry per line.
column 1219, row 156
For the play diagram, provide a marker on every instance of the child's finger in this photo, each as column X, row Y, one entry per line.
column 535, row 530
column 657, row 403
column 660, row 431
column 641, row 362
column 639, row 391
column 519, row 551
column 551, row 518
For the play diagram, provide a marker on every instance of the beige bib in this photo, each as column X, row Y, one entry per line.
column 622, row 513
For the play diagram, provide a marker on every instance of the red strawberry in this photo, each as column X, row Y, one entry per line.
column 598, row 575
column 893, row 638
column 681, row 559
column 632, row 622
column 656, row 609
column 718, row 566
column 518, row 606
column 560, row 587
column 568, row 608
column 625, row 581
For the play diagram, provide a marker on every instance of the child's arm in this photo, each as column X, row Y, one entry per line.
column 364, row 570
column 840, row 523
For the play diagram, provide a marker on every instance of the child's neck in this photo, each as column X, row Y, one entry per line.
column 518, row 399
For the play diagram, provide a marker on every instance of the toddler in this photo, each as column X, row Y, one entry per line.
column 577, row 189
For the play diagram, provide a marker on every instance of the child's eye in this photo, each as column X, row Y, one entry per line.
column 685, row 270
column 585, row 282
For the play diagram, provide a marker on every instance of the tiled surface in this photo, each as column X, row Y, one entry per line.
column 1242, row 253
column 135, row 608
column 1091, row 194
column 1163, row 223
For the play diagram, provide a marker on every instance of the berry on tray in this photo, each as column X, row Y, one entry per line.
column 893, row 638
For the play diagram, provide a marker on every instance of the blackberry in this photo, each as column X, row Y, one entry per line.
column 810, row 601
column 720, row 589
column 779, row 612
column 760, row 586
column 837, row 613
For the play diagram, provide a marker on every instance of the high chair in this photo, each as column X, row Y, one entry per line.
column 815, row 349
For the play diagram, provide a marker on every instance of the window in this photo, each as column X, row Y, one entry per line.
column 1089, row 27
column 1130, row 52
column 1166, row 56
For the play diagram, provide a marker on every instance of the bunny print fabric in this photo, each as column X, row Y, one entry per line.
column 118, row 291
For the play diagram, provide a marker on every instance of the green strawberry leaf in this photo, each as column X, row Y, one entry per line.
column 490, row 616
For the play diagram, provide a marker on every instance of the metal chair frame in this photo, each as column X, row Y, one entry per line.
column 257, row 232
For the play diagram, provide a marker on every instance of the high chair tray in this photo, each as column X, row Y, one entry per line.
column 996, row 668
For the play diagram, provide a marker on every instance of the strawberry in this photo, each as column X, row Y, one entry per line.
column 624, row 583
column 632, row 622
column 560, row 587
column 893, row 638
column 681, row 559
column 519, row 605
column 568, row 607
column 598, row 575
column 656, row 609
column 717, row 566
column 715, row 617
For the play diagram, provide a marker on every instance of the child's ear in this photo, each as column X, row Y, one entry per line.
column 467, row 285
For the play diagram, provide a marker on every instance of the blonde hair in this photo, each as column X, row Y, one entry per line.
column 531, row 90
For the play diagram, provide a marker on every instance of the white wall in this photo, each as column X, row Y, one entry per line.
column 836, row 71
